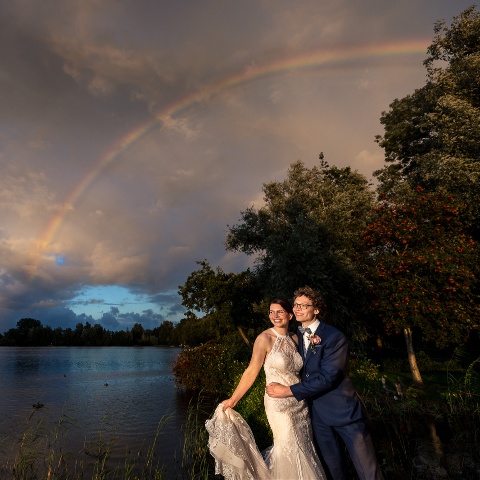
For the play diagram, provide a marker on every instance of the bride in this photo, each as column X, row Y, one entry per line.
column 231, row 441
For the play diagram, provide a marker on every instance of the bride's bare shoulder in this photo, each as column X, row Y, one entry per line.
column 267, row 336
column 267, row 333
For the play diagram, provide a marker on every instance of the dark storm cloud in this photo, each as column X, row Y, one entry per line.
column 81, row 78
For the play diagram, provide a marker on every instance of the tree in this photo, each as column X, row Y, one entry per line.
column 192, row 330
column 27, row 332
column 432, row 137
column 93, row 336
column 122, row 338
column 137, row 333
column 78, row 334
column 227, row 300
column 165, row 333
column 25, row 326
column 307, row 233
column 418, row 259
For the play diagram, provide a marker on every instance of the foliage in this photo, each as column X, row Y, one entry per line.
column 442, row 116
column 137, row 333
column 196, row 458
column 415, row 431
column 364, row 366
column 432, row 137
column 306, row 233
column 193, row 331
column 30, row 332
column 419, row 260
column 227, row 299
column 42, row 453
column 213, row 366
column 464, row 394
column 252, row 409
column 165, row 333
column 425, row 364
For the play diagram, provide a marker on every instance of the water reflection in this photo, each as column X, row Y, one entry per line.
column 123, row 396
column 26, row 364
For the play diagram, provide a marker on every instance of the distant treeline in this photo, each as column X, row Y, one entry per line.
column 31, row 332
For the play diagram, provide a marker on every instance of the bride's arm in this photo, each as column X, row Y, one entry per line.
column 260, row 349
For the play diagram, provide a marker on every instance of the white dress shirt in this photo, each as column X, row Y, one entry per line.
column 306, row 342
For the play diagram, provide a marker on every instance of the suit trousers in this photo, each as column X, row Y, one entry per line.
column 359, row 445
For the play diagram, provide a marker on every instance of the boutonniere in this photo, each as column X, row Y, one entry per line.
column 314, row 341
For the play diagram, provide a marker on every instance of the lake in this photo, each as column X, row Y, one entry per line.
column 82, row 395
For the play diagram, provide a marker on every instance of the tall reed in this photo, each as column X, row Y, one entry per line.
column 197, row 464
column 40, row 454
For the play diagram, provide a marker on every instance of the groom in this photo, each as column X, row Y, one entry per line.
column 335, row 408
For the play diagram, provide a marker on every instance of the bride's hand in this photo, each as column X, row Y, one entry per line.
column 227, row 404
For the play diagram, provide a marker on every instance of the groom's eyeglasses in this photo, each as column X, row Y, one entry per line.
column 302, row 306
column 276, row 312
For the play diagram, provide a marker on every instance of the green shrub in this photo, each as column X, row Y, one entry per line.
column 252, row 409
column 424, row 362
column 213, row 366
column 395, row 365
column 364, row 367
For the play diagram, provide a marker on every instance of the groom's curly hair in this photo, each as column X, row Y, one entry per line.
column 314, row 296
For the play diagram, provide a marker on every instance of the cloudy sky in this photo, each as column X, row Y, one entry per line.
column 133, row 132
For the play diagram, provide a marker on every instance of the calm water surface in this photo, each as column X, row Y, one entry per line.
column 121, row 394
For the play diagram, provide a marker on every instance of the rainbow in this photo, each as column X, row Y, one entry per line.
column 310, row 60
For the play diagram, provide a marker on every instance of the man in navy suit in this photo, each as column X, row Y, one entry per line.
column 334, row 405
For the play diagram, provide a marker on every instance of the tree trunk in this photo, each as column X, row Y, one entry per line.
column 412, row 359
column 242, row 333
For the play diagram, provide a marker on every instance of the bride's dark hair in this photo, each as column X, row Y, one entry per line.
column 284, row 303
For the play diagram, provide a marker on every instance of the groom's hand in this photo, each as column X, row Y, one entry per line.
column 277, row 390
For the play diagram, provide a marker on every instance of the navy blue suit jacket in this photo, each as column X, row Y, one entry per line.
column 325, row 381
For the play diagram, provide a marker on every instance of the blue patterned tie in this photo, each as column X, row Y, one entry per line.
column 303, row 330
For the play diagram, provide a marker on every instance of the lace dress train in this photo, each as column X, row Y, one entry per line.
column 233, row 446
column 292, row 456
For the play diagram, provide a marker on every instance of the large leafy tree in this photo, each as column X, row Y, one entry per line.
column 28, row 330
column 138, row 333
column 432, row 137
column 418, row 259
column 224, row 302
column 307, row 233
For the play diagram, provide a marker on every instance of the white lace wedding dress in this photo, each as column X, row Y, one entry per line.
column 292, row 456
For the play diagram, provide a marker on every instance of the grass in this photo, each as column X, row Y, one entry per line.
column 430, row 432
column 425, row 432
column 196, row 461
column 40, row 453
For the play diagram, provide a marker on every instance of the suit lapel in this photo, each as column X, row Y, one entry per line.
column 300, row 343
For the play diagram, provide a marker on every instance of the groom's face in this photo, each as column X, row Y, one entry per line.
column 304, row 311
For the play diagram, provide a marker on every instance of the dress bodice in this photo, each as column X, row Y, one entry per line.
column 283, row 363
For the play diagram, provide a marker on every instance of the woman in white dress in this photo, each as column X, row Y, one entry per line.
column 231, row 442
